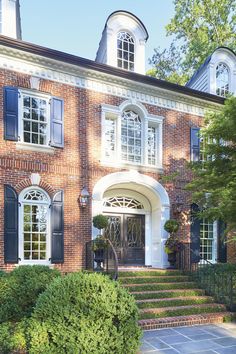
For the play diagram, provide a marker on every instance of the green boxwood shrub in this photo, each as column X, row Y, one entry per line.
column 19, row 290
column 13, row 337
column 84, row 314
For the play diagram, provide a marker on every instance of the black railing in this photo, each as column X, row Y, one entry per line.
column 101, row 257
column 218, row 280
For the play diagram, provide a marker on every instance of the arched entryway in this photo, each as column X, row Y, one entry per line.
column 138, row 207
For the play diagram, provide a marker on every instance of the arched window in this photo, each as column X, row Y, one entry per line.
column 34, row 226
column 123, row 202
column 131, row 137
column 125, row 51
column 222, row 80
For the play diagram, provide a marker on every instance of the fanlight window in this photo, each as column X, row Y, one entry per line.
column 131, row 137
column 125, row 51
column 35, row 195
column 123, row 202
column 222, row 80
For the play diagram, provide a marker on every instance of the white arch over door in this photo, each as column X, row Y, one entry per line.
column 160, row 209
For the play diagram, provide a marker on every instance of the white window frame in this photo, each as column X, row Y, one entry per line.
column 214, row 242
column 31, row 146
column 147, row 120
column 134, row 52
column 229, row 82
column 22, row 261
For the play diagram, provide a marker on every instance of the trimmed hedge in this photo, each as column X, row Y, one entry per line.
column 86, row 314
column 19, row 290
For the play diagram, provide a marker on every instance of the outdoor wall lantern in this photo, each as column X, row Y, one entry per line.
column 84, row 198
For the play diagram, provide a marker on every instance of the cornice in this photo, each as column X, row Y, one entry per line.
column 74, row 75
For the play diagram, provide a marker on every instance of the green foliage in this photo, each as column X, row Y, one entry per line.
column 99, row 243
column 198, row 28
column 171, row 226
column 100, row 221
column 20, row 289
column 12, row 337
column 84, row 313
column 214, row 182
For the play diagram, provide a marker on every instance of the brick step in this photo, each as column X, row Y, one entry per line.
column 168, row 293
column 158, row 310
column 190, row 320
column 155, row 279
column 151, row 272
column 160, row 286
column 203, row 299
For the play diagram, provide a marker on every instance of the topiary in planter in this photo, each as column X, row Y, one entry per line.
column 171, row 226
column 85, row 314
column 100, row 221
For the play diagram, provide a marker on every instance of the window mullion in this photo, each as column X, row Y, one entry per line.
column 145, row 139
column 118, row 138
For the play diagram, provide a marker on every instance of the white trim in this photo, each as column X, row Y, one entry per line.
column 114, row 112
column 38, row 95
column 21, row 224
column 73, row 75
column 157, row 209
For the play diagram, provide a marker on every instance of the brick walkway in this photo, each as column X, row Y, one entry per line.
column 205, row 339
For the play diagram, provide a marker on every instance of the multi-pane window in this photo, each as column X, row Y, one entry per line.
column 131, row 137
column 222, row 80
column 152, row 145
column 125, row 51
column 110, row 137
column 128, row 138
column 207, row 240
column 35, row 123
column 35, row 206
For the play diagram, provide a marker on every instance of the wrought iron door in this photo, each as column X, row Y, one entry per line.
column 127, row 233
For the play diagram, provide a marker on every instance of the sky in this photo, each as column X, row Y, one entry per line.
column 75, row 26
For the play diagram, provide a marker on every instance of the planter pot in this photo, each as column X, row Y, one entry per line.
column 99, row 259
column 172, row 258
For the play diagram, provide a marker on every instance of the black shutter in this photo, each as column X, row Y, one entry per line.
column 195, row 235
column 222, row 246
column 57, row 228
column 10, row 225
column 57, row 122
column 11, row 113
column 195, row 144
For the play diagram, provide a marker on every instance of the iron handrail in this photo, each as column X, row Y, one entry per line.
column 216, row 280
column 115, row 257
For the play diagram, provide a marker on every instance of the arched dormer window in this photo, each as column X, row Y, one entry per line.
column 222, row 80
column 125, row 51
column 131, row 137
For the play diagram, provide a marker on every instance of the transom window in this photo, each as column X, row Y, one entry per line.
column 131, row 137
column 35, row 119
column 222, row 80
column 125, row 51
column 35, row 225
column 123, row 202
column 207, row 240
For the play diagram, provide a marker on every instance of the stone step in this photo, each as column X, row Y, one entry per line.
column 180, row 291
column 189, row 320
column 151, row 272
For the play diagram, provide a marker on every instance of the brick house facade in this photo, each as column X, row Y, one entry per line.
column 43, row 180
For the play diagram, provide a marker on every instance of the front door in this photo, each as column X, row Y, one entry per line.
column 127, row 233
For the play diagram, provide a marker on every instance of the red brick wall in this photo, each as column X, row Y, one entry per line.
column 78, row 164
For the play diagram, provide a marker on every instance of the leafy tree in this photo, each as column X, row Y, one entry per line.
column 198, row 27
column 214, row 182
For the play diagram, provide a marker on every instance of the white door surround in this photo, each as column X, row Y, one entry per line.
column 156, row 208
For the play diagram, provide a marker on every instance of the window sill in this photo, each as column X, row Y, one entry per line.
column 36, row 262
column 34, row 147
column 133, row 166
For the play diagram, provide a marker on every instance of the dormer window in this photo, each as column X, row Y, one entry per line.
column 125, row 51
column 222, row 80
